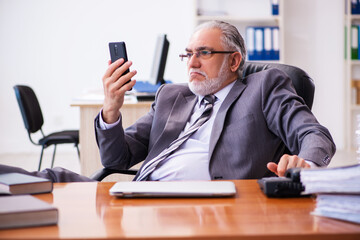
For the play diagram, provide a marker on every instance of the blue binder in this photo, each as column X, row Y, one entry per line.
column 259, row 43
column 355, row 7
column 275, row 43
column 275, row 7
column 250, row 43
column 268, row 44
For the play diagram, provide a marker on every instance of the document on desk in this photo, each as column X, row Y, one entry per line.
column 344, row 179
column 174, row 189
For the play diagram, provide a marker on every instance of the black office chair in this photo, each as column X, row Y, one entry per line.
column 302, row 82
column 33, row 121
column 303, row 85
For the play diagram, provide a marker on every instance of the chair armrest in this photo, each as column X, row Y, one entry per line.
column 104, row 172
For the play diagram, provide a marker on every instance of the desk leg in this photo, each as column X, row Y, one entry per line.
column 89, row 152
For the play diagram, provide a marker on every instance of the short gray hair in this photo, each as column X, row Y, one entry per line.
column 231, row 38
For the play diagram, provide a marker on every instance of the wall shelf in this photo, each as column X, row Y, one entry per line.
column 233, row 11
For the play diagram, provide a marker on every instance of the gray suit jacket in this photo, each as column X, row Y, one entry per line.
column 260, row 116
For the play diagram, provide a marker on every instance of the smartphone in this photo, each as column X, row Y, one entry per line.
column 117, row 51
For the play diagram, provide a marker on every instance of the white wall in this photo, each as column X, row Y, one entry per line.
column 60, row 49
column 314, row 31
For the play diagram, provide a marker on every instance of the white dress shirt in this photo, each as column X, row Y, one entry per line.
column 191, row 160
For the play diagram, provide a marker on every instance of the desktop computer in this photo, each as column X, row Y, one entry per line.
column 145, row 90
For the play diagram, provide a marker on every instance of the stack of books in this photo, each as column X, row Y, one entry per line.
column 337, row 190
column 18, row 208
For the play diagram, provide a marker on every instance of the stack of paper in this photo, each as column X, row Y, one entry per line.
column 331, row 180
column 343, row 207
column 337, row 189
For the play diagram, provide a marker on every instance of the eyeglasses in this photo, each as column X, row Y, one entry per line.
column 203, row 54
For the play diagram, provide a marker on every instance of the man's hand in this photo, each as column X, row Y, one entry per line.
column 286, row 162
column 114, row 89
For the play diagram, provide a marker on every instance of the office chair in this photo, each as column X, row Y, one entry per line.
column 33, row 121
column 303, row 85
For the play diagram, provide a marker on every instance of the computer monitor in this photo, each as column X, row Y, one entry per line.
column 160, row 56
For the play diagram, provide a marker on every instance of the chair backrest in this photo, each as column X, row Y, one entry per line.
column 303, row 84
column 29, row 107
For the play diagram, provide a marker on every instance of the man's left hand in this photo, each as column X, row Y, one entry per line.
column 286, row 162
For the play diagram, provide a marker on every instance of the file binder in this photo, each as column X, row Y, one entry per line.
column 345, row 45
column 268, row 44
column 355, row 7
column 259, row 43
column 250, row 43
column 276, row 43
column 275, row 7
column 354, row 42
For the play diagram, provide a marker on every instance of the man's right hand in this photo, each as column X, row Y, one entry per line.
column 114, row 89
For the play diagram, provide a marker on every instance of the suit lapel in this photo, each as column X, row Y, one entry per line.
column 179, row 116
column 218, row 126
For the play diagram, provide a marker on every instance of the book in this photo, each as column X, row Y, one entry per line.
column 18, row 183
column 26, row 211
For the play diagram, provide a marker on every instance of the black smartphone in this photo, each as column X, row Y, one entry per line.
column 117, row 51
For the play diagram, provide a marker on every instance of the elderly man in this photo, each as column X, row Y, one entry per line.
column 219, row 125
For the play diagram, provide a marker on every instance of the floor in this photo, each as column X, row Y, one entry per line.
column 69, row 160
column 30, row 161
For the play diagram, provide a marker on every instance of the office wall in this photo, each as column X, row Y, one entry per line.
column 314, row 32
column 60, row 49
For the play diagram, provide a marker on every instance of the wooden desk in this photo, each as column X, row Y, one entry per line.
column 87, row 211
column 89, row 108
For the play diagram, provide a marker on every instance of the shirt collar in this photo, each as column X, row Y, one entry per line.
column 221, row 94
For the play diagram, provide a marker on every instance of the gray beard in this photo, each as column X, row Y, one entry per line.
column 209, row 85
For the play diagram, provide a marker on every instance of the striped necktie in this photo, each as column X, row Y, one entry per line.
column 150, row 166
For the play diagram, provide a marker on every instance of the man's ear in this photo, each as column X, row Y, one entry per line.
column 235, row 60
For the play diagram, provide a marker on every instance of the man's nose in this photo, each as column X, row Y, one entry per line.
column 194, row 62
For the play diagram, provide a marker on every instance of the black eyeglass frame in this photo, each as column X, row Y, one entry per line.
column 198, row 53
